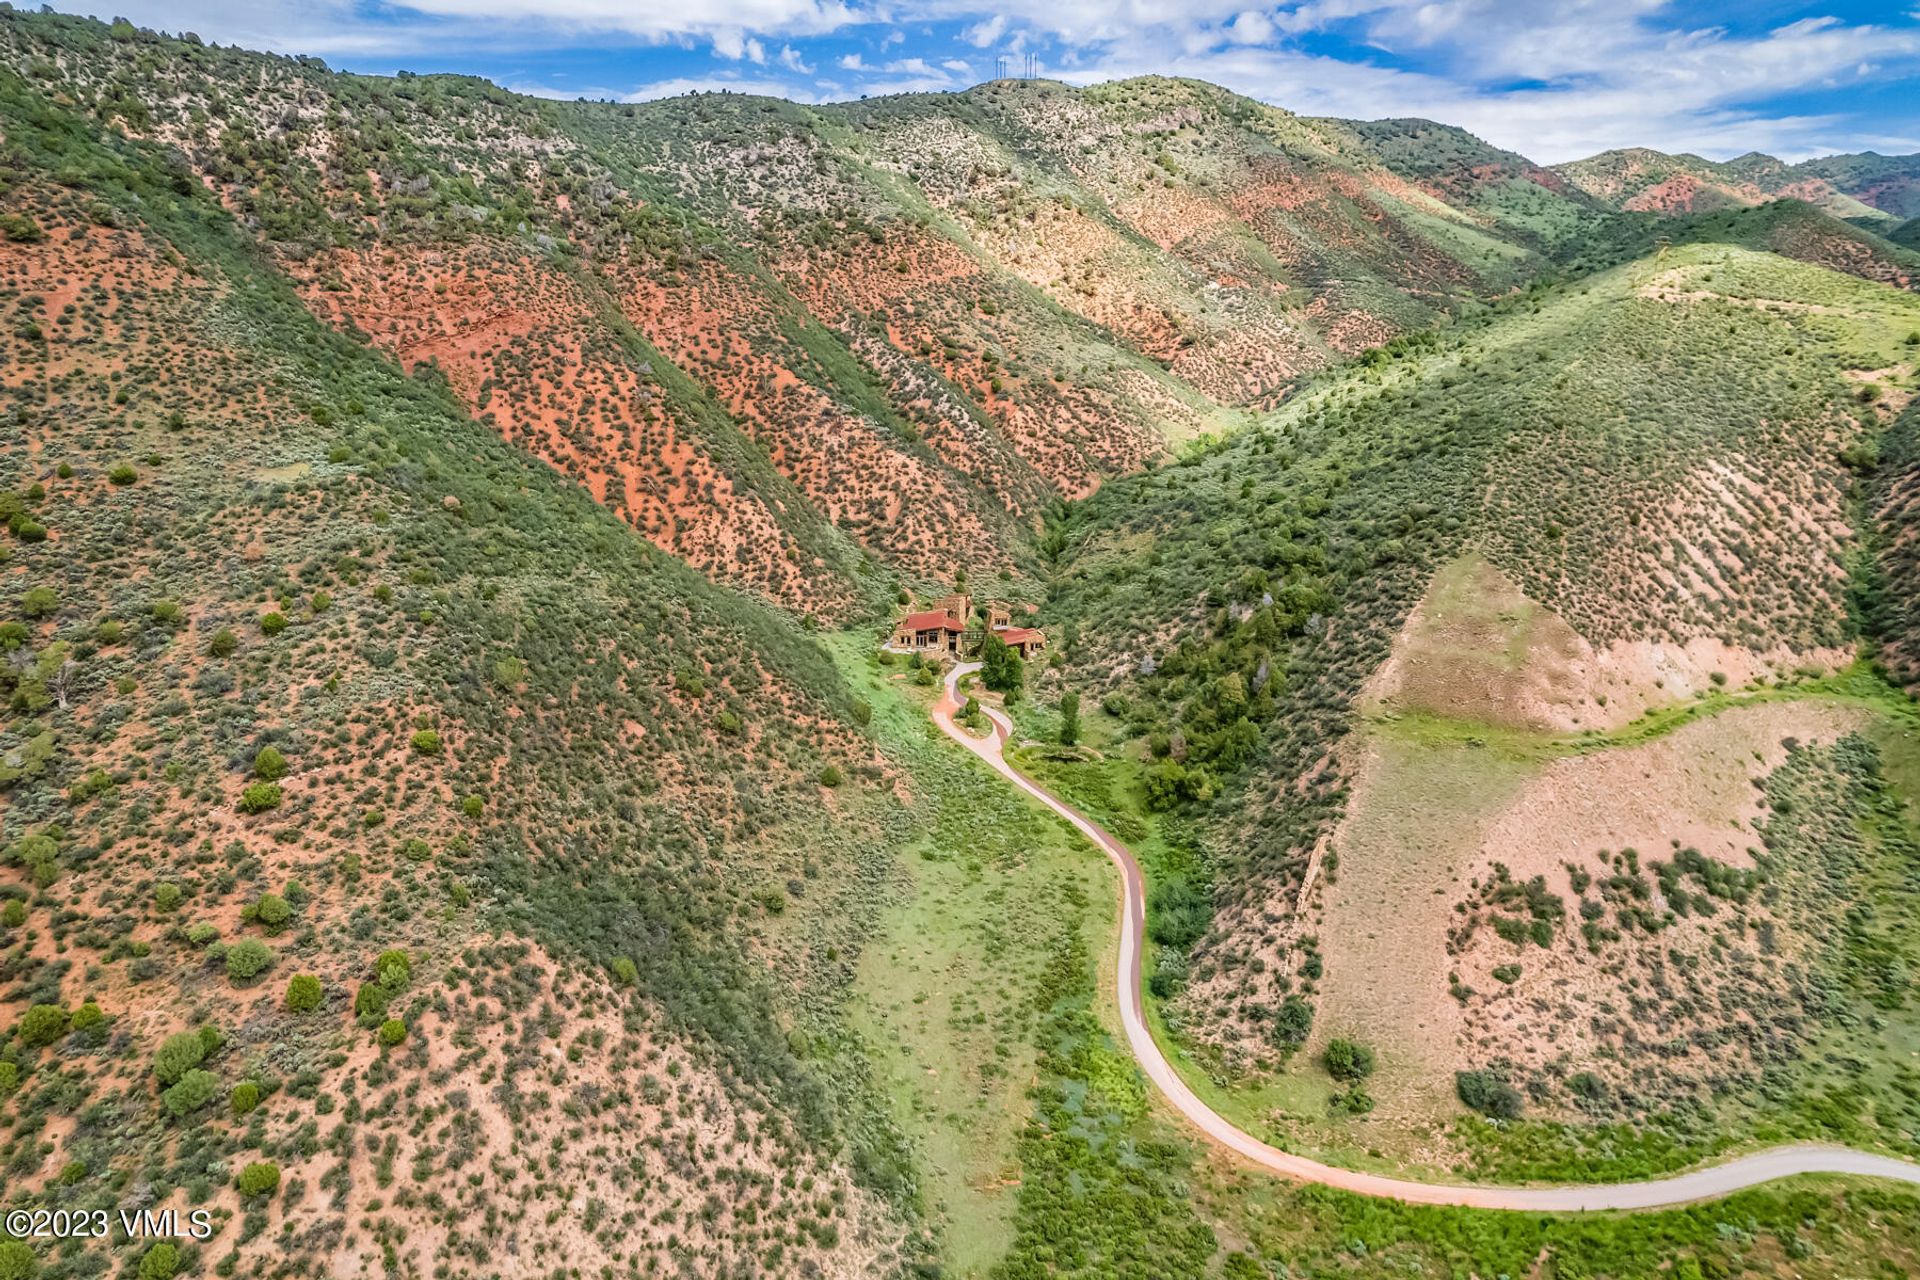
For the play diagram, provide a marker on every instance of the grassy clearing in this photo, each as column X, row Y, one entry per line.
column 1858, row 685
column 1432, row 765
column 1077, row 1218
column 1824, row 1228
column 948, row 996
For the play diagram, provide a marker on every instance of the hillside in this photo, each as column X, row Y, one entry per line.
column 456, row 821
column 315, row 682
column 786, row 343
column 1874, row 189
column 1399, row 664
column 1890, row 184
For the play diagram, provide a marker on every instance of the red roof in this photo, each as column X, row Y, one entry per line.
column 931, row 620
column 1020, row 635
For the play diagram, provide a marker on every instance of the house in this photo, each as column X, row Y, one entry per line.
column 959, row 606
column 999, row 614
column 934, row 631
column 1025, row 641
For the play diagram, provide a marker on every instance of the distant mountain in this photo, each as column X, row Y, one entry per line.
column 1890, row 184
column 1640, row 180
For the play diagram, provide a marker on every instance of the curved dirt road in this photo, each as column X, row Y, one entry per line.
column 1700, row 1184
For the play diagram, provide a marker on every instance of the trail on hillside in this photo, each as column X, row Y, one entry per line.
column 1707, row 1183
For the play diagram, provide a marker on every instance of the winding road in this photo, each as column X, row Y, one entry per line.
column 1700, row 1184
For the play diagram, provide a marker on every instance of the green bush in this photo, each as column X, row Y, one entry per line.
column 1487, row 1093
column 166, row 897
column 625, row 972
column 161, row 1262
column 42, row 1025
column 39, row 602
column 123, row 474
column 831, row 776
column 87, row 1019
column 1177, row 913
column 473, row 806
column 1001, row 669
column 39, row 853
column 248, row 959
column 97, row 782
column 304, row 993
column 259, row 1179
column 1069, row 718
column 392, row 1031
column 273, row 624
column 426, row 742
column 14, row 914
column 393, row 970
column 223, row 643
column 370, row 1002
column 244, row 1098
column 272, row 912
column 194, row 1090
column 1292, row 1024
column 1348, row 1061
column 20, row 229
column 1169, row 783
column 260, row 797
column 17, row 1260
column 269, row 765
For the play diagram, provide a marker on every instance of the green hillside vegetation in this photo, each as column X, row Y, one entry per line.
column 1890, row 184
column 867, row 251
column 1873, row 189
column 455, row 621
column 1227, row 610
column 453, row 813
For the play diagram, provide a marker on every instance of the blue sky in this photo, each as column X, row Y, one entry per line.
column 1794, row 79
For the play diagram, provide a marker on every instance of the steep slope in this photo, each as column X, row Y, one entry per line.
column 1523, row 201
column 1648, row 475
column 1223, row 238
column 805, row 347
column 373, row 801
column 1890, row 184
column 1869, row 187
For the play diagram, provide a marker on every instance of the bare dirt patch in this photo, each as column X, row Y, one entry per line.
column 1477, row 648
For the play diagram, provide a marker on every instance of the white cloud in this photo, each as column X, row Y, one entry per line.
column 1676, row 109
column 791, row 60
column 982, row 34
column 402, row 28
column 853, row 62
column 1250, row 26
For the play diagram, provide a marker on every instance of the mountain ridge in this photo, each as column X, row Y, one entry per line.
column 457, row 816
